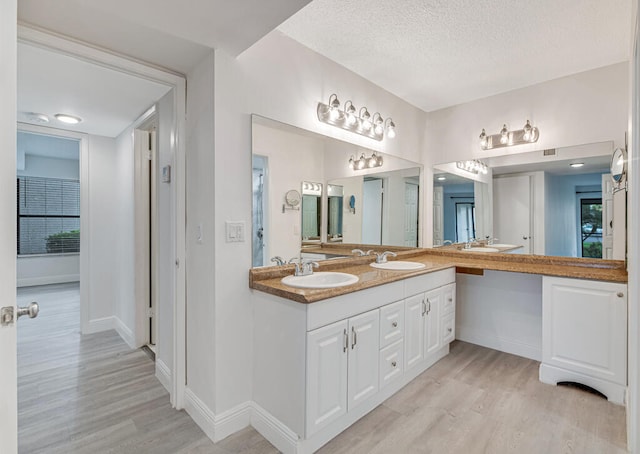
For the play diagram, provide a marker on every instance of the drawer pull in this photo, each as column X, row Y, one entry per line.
column 394, row 364
column 394, row 324
column 620, row 294
column 449, row 329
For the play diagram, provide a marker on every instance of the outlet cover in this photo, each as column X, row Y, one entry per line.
column 234, row 232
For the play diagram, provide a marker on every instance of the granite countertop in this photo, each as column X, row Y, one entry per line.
column 267, row 279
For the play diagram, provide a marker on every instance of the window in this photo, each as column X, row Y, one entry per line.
column 591, row 227
column 48, row 215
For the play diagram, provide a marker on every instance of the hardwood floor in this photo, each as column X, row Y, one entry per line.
column 92, row 394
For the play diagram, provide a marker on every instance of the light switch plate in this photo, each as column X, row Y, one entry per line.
column 234, row 231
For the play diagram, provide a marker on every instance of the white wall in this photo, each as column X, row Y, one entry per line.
column 55, row 268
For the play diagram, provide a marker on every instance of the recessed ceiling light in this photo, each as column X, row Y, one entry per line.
column 441, row 178
column 37, row 117
column 69, row 119
column 576, row 164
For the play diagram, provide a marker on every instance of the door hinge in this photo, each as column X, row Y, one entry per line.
column 150, row 312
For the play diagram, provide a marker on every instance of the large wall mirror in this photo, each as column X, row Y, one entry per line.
column 374, row 206
column 556, row 202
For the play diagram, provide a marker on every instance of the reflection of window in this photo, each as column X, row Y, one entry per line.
column 48, row 212
column 591, row 227
column 465, row 222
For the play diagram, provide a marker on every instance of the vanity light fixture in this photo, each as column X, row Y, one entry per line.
column 365, row 163
column 506, row 138
column 68, row 119
column 473, row 166
column 37, row 117
column 361, row 123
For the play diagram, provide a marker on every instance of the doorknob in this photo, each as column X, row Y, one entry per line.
column 31, row 310
column 7, row 313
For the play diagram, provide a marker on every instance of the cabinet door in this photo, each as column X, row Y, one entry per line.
column 326, row 375
column 585, row 327
column 414, row 313
column 364, row 353
column 433, row 300
column 448, row 299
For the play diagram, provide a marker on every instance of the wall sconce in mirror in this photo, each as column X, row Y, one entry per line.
column 506, row 138
column 363, row 123
column 619, row 169
column 365, row 163
column 473, row 166
column 291, row 200
column 352, row 204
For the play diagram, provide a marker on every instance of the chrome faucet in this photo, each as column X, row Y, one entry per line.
column 278, row 260
column 470, row 242
column 303, row 267
column 382, row 258
column 360, row 252
column 490, row 241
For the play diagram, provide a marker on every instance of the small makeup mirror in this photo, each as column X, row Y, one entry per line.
column 619, row 166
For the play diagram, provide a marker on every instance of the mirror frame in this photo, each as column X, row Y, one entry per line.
column 619, row 172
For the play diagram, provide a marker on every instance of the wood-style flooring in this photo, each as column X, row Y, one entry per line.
column 92, row 394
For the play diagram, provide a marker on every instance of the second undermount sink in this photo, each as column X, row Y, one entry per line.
column 399, row 265
column 481, row 249
column 320, row 279
column 503, row 245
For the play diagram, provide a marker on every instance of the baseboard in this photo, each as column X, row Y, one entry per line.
column 100, row 324
column 125, row 332
column 217, row 427
column 498, row 343
column 279, row 435
column 163, row 374
column 46, row 280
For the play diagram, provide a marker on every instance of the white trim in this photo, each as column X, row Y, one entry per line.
column 551, row 375
column 112, row 60
column 163, row 374
column 98, row 325
column 502, row 344
column 278, row 434
column 124, row 331
column 46, row 280
column 217, row 427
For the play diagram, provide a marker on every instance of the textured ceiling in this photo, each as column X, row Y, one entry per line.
column 439, row 53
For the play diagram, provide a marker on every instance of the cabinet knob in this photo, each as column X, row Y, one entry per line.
column 449, row 329
column 450, row 300
column 620, row 294
column 394, row 324
column 394, row 364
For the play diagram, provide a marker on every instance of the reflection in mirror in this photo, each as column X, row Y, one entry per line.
column 552, row 202
column 311, row 212
column 618, row 166
column 453, row 209
column 335, row 202
column 286, row 157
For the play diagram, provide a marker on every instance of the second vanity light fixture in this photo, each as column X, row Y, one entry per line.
column 506, row 138
column 362, row 123
column 365, row 163
column 473, row 166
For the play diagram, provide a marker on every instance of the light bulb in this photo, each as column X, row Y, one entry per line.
column 391, row 133
column 352, row 164
column 350, row 110
column 483, row 139
column 379, row 129
column 334, row 114
column 527, row 132
column 504, row 135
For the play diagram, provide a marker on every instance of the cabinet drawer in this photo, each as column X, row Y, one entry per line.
column 448, row 330
column 391, row 363
column 448, row 299
column 391, row 323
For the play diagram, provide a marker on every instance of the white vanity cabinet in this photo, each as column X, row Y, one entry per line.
column 584, row 338
column 320, row 367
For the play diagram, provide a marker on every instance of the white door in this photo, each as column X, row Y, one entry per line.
column 432, row 335
column 607, row 216
column 438, row 220
column 411, row 214
column 364, row 354
column 512, row 211
column 414, row 312
column 372, row 212
column 8, row 369
column 326, row 375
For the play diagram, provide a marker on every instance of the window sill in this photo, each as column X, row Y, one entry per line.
column 64, row 254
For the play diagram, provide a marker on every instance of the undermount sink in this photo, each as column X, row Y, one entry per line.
column 503, row 245
column 399, row 265
column 320, row 279
column 481, row 249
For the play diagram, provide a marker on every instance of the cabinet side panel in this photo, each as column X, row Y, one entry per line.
column 279, row 359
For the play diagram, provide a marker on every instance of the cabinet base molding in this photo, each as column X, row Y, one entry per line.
column 552, row 375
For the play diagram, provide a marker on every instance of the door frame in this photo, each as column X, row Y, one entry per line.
column 177, row 82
